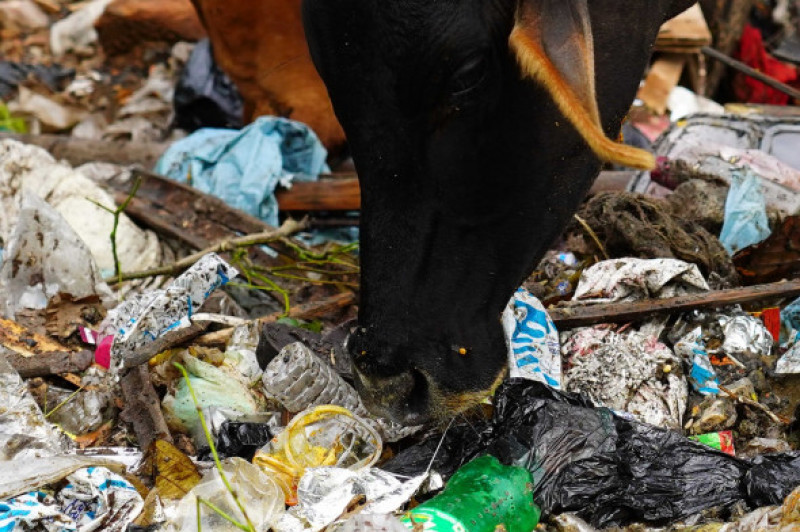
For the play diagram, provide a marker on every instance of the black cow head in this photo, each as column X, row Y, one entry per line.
column 476, row 127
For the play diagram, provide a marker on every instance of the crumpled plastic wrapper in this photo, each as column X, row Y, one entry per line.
column 790, row 361
column 324, row 493
column 702, row 375
column 534, row 351
column 95, row 499
column 44, row 258
column 299, row 379
column 141, row 320
column 632, row 279
column 24, row 431
column 629, row 371
column 745, row 334
column 71, row 192
column 241, row 351
column 259, row 494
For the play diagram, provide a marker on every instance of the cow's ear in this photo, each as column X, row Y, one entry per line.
column 552, row 40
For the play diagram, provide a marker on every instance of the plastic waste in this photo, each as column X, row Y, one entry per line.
column 299, row 379
column 721, row 441
column 369, row 523
column 242, row 439
column 240, row 353
column 746, row 221
column 632, row 279
column 608, row 470
column 76, row 32
column 79, row 413
column 627, row 371
column 481, row 497
column 693, row 350
column 260, row 496
column 533, row 346
column 325, row 493
column 11, row 123
column 139, row 321
column 44, row 258
column 22, row 15
column 24, row 431
column 93, row 499
column 35, row 472
column 205, row 96
column 325, row 435
column 71, row 192
column 789, row 363
column 745, row 335
column 212, row 387
column 53, row 115
column 220, row 162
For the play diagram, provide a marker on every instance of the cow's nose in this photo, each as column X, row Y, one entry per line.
column 403, row 398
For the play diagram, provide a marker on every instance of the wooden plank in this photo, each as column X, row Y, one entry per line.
column 687, row 29
column 340, row 194
column 664, row 75
column 568, row 318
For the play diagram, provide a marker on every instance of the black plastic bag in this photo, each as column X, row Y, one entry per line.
column 239, row 439
column 12, row 74
column 609, row 470
column 205, row 96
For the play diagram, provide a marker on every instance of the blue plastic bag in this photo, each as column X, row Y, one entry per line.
column 746, row 220
column 243, row 167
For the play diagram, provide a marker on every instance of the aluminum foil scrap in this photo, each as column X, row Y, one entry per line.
column 626, row 371
column 745, row 334
column 324, row 494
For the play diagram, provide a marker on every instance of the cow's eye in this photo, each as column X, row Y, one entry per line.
column 469, row 76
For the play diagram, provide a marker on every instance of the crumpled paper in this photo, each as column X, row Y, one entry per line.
column 745, row 334
column 632, row 279
column 534, row 351
column 628, row 371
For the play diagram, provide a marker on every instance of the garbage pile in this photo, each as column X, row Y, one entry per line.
column 173, row 347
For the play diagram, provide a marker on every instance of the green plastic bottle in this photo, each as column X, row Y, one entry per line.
column 482, row 496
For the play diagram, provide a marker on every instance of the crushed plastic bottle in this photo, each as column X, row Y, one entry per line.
column 482, row 496
column 325, row 435
column 299, row 379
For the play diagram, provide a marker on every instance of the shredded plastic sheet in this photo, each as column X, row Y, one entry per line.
column 46, row 258
column 141, row 320
column 243, row 167
column 693, row 350
column 632, row 279
column 533, row 346
column 746, row 221
column 629, row 371
column 24, row 431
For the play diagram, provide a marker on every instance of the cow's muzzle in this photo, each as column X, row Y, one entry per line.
column 403, row 398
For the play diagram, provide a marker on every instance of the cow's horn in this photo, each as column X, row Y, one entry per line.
column 553, row 43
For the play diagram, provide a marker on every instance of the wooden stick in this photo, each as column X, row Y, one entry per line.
column 142, row 407
column 50, row 363
column 288, row 228
column 310, row 310
column 568, row 318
